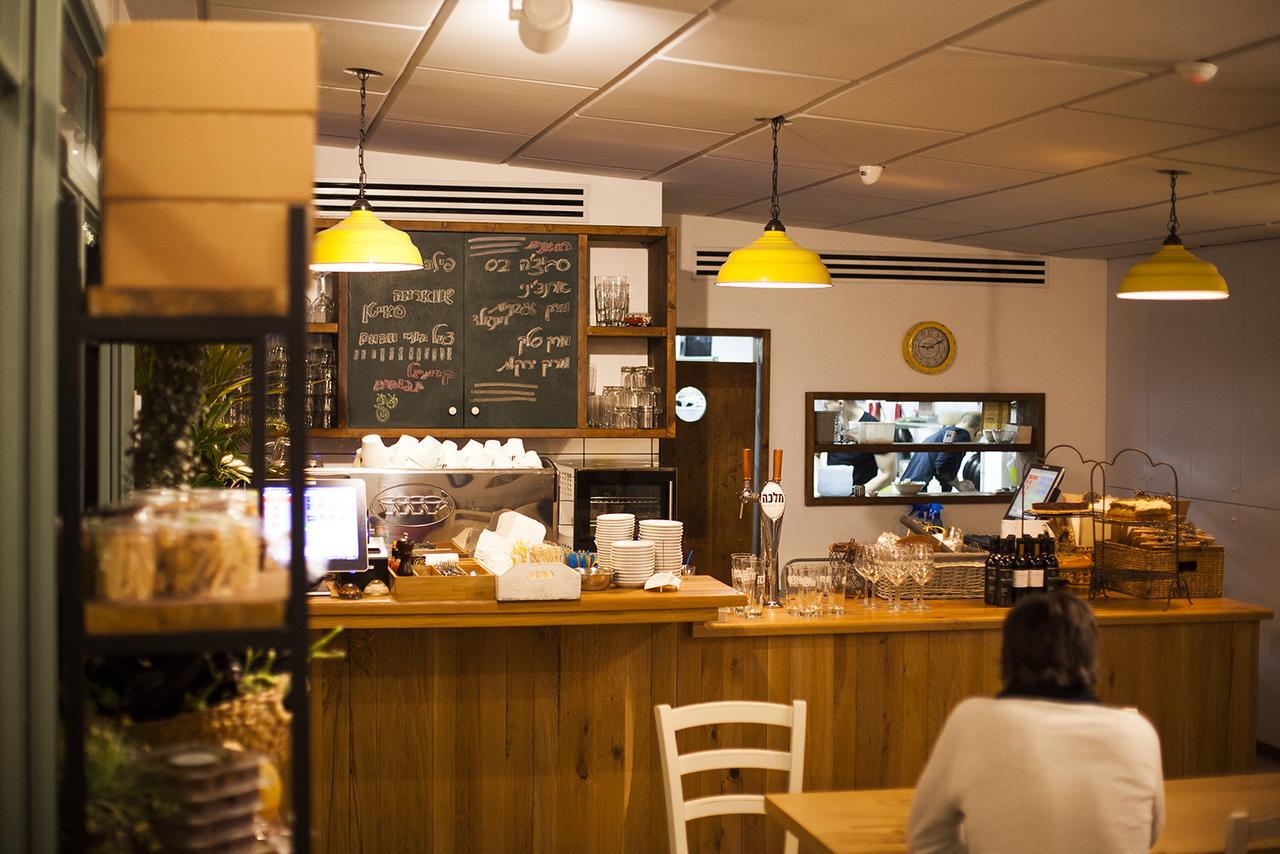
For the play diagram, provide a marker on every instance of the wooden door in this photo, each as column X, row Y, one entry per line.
column 708, row 455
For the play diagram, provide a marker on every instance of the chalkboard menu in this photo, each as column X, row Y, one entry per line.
column 404, row 356
column 485, row 336
column 522, row 330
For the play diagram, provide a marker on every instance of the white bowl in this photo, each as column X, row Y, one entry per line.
column 911, row 487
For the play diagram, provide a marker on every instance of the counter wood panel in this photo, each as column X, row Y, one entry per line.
column 542, row 739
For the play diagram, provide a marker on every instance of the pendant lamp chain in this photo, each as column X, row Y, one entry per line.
column 774, row 209
column 1173, row 203
column 363, row 76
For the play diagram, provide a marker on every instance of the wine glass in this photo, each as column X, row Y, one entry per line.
column 865, row 565
column 921, row 570
column 895, row 572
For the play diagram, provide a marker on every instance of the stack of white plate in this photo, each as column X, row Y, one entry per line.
column 633, row 562
column 667, row 536
column 611, row 527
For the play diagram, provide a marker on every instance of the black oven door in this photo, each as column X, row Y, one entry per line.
column 648, row 493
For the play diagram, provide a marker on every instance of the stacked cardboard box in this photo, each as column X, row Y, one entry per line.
column 208, row 139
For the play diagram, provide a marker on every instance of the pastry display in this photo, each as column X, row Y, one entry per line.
column 1058, row 508
column 1140, row 509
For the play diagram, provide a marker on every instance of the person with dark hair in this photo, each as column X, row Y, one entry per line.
column 1044, row 766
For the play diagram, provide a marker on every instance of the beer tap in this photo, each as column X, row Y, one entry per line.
column 772, row 501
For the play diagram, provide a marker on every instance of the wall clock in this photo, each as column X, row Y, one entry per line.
column 929, row 347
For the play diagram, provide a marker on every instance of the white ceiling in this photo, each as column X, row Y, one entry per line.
column 1027, row 125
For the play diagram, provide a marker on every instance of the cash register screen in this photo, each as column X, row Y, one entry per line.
column 1037, row 486
column 336, row 523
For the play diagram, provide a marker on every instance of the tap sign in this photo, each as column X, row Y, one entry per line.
column 773, row 501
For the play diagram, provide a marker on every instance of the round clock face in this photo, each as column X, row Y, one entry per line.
column 929, row 347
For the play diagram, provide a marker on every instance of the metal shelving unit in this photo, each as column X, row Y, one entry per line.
column 79, row 336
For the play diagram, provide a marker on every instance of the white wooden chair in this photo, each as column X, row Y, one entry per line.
column 1241, row 831
column 675, row 765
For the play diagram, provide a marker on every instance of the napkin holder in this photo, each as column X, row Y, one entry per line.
column 538, row 582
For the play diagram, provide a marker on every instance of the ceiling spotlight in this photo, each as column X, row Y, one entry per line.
column 544, row 24
column 1196, row 72
column 870, row 174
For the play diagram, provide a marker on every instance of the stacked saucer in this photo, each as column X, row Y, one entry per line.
column 611, row 527
column 633, row 562
column 667, row 536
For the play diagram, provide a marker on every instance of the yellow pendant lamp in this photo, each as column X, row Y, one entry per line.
column 773, row 260
column 362, row 243
column 1173, row 273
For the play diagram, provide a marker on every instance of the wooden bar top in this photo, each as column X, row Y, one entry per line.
column 698, row 600
column 1196, row 811
column 960, row 614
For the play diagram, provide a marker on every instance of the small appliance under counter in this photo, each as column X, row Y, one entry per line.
column 586, row 491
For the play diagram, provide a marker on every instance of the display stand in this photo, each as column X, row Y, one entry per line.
column 79, row 337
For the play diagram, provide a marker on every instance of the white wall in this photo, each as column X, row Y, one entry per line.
column 1198, row 385
column 1009, row 338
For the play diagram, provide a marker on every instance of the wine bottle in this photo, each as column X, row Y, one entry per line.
column 1021, row 570
column 1035, row 566
column 1004, row 589
column 991, row 574
column 1050, row 564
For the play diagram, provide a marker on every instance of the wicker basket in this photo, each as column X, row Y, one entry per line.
column 259, row 722
column 956, row 575
column 1204, row 580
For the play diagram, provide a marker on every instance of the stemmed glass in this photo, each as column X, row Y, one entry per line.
column 921, row 570
column 895, row 572
column 866, row 565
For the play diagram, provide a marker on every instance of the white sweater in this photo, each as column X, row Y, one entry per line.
column 1023, row 775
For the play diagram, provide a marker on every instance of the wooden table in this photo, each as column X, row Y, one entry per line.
column 870, row 820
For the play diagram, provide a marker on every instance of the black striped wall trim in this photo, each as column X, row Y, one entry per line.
column 411, row 200
column 871, row 267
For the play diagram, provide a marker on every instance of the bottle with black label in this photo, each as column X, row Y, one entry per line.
column 1021, row 570
column 1050, row 564
column 1035, row 566
column 991, row 574
column 1004, row 575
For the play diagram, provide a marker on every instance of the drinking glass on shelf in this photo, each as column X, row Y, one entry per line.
column 613, row 299
column 894, row 562
column 737, row 574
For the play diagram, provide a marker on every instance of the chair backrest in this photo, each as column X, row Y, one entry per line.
column 1241, row 831
column 675, row 765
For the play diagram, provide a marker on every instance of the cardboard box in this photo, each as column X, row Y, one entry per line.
column 174, row 246
column 223, row 156
column 212, row 65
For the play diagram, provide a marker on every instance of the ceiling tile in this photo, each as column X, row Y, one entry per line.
column 605, row 37
column 483, row 102
column 831, row 143
column 408, row 13
column 441, row 141
column 1228, row 209
column 1007, row 209
column 706, row 97
column 339, row 111
column 1069, row 234
column 633, row 145
column 1245, row 94
column 1114, row 250
column 937, row 90
column 1067, row 140
column 824, row 206
column 925, row 179
column 1258, row 149
column 1217, row 237
column 1003, row 244
column 723, row 174
column 1147, row 34
column 570, row 166
column 1136, row 182
column 836, row 39
column 905, row 226
column 344, row 44
column 675, row 200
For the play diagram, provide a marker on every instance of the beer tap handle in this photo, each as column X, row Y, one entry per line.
column 777, row 465
column 746, row 465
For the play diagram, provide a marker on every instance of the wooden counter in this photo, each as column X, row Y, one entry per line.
column 537, row 734
column 697, row 600
column 966, row 614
